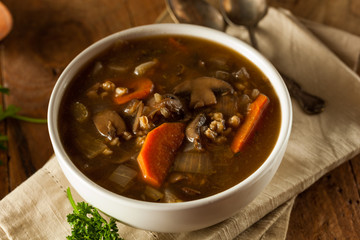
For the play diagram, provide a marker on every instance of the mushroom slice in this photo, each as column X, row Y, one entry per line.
column 168, row 105
column 193, row 130
column 202, row 90
column 139, row 112
column 172, row 103
column 109, row 124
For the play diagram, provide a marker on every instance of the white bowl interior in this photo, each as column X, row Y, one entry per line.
column 172, row 217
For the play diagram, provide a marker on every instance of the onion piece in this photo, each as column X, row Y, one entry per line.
column 144, row 67
column 193, row 162
column 118, row 68
column 223, row 75
column 170, row 197
column 190, row 191
column 242, row 74
column 89, row 145
column 244, row 102
column 123, row 175
column 97, row 68
column 227, row 105
column 154, row 194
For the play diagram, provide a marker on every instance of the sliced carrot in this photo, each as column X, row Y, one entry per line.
column 246, row 129
column 158, row 152
column 138, row 89
column 175, row 43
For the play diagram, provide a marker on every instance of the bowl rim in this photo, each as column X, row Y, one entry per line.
column 168, row 29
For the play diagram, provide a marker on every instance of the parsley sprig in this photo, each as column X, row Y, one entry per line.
column 11, row 111
column 87, row 223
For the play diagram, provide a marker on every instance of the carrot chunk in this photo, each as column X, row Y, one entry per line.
column 158, row 152
column 246, row 129
column 177, row 45
column 139, row 89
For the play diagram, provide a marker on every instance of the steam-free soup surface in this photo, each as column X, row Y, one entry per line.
column 169, row 119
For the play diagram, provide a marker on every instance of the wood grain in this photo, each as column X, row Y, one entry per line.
column 330, row 208
column 47, row 34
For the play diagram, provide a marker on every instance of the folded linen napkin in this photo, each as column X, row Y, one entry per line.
column 37, row 209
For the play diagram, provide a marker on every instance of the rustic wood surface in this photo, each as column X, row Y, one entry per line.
column 47, row 34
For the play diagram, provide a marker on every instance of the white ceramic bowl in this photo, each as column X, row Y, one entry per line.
column 172, row 217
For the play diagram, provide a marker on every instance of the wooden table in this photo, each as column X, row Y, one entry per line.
column 47, row 34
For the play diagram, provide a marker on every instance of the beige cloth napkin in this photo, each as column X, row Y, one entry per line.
column 37, row 209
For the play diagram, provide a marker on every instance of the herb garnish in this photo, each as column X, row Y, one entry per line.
column 12, row 112
column 87, row 223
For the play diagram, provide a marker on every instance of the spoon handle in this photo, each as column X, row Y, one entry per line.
column 309, row 103
column 252, row 37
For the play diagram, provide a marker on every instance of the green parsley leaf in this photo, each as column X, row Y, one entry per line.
column 87, row 223
column 4, row 90
column 3, row 140
column 11, row 111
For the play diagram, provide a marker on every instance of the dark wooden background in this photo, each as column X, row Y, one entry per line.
column 47, row 34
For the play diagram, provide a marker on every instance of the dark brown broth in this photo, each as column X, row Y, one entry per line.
column 166, row 75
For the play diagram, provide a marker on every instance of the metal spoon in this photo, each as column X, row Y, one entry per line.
column 195, row 12
column 187, row 11
column 248, row 13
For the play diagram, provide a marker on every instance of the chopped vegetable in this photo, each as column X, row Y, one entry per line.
column 153, row 194
column 193, row 162
column 87, row 223
column 123, row 175
column 138, row 89
column 170, row 197
column 80, row 112
column 256, row 109
column 158, row 152
column 144, row 67
column 176, row 44
column 227, row 105
column 89, row 145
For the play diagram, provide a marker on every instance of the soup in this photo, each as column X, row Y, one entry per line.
column 169, row 119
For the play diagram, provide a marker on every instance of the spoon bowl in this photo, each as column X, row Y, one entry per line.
column 195, row 12
column 246, row 13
